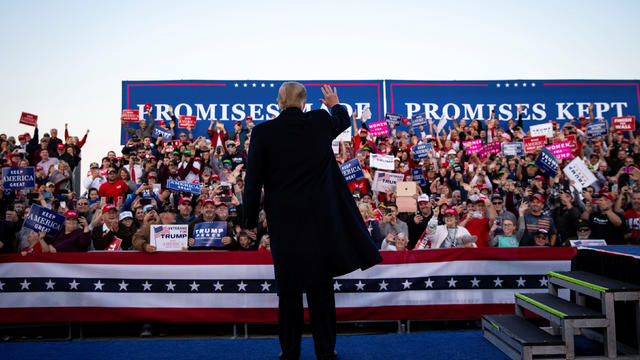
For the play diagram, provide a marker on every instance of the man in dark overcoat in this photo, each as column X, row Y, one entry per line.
column 316, row 230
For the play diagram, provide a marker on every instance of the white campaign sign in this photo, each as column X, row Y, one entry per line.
column 542, row 129
column 442, row 123
column 384, row 162
column 335, row 145
column 578, row 171
column 345, row 135
column 383, row 181
column 169, row 237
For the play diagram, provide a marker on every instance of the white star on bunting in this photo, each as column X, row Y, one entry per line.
column 475, row 282
column 383, row 285
column 533, row 84
column 406, row 284
column 242, row 286
column 498, row 85
column 428, row 283
column 123, row 285
column 194, row 286
column 336, row 286
column 98, row 285
column 49, row 285
column 170, row 286
column 146, row 286
column 218, row 286
column 265, row 286
column 543, row 281
column 506, row 85
column 73, row 285
column 24, row 285
column 236, row 84
column 521, row 281
column 360, row 285
column 452, row 283
column 497, row 282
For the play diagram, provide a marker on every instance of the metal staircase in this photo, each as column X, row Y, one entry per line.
column 518, row 338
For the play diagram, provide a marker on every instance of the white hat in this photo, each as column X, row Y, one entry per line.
column 451, row 152
column 125, row 214
column 423, row 198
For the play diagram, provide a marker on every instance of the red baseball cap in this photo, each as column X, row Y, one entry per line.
column 363, row 130
column 152, row 175
column 625, row 140
column 249, row 118
column 451, row 211
column 539, row 177
column 61, row 146
column 147, row 106
column 21, row 137
column 215, row 176
column 607, row 195
column 108, row 208
column 238, row 123
column 183, row 199
column 70, row 214
column 538, row 197
column 208, row 201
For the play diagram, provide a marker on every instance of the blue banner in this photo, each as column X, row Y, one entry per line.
column 393, row 119
column 597, row 128
column 43, row 219
column 420, row 150
column 351, row 170
column 230, row 101
column 418, row 176
column 419, row 120
column 183, row 186
column 547, row 162
column 208, row 234
column 542, row 100
column 158, row 131
column 513, row 149
column 19, row 178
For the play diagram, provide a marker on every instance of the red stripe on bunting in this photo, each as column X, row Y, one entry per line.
column 269, row 315
column 264, row 258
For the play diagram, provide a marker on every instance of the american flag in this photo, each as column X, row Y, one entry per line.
column 220, row 286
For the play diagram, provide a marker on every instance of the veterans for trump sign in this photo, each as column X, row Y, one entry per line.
column 169, row 237
column 18, row 178
column 384, row 181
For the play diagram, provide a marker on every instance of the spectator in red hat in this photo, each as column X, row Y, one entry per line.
column 185, row 211
column 605, row 222
column 209, row 211
column 445, row 236
column 116, row 232
column 74, row 235
column 239, row 135
column 360, row 137
column 477, row 222
column 531, row 219
column 37, row 244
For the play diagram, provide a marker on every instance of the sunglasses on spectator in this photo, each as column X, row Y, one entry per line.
column 497, row 203
column 83, row 203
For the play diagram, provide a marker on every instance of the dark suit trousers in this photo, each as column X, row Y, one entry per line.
column 322, row 314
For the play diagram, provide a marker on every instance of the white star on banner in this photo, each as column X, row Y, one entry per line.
column 170, row 286
column 543, row 281
column 265, row 286
column 218, row 286
column 475, row 282
column 49, row 285
column 194, row 286
column 521, row 282
column 336, row 286
column 498, row 85
column 2, row 285
column 254, row 84
column 98, row 285
column 123, row 285
column 506, row 85
column 245, row 84
column 524, row 84
column 25, row 285
column 146, row 286
column 452, row 283
column 497, row 282
column 428, row 283
column 73, row 285
column 360, row 285
column 242, row 286
column 236, row 84
column 262, row 85
column 270, row 85
column 515, row 84
column 383, row 285
column 406, row 284
column 533, row 84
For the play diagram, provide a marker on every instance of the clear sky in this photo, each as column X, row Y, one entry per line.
column 65, row 60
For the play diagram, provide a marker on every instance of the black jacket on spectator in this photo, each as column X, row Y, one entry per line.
column 315, row 227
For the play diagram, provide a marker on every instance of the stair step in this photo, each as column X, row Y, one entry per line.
column 595, row 282
column 559, row 307
column 522, row 331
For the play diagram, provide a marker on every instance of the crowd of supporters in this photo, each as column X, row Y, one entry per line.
column 467, row 201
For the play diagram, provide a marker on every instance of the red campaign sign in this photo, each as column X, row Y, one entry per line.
column 29, row 119
column 187, row 121
column 115, row 244
column 534, row 143
column 170, row 144
column 130, row 115
column 572, row 142
column 624, row 123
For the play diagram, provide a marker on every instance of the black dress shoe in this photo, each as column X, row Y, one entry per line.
column 282, row 357
column 333, row 356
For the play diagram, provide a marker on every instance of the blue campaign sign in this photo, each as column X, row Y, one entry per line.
column 419, row 120
column 393, row 119
column 542, row 100
column 158, row 131
column 43, row 219
column 597, row 128
column 229, row 101
column 418, row 176
column 513, row 149
column 547, row 162
column 209, row 234
column 351, row 170
column 183, row 186
column 420, row 150
column 19, row 178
